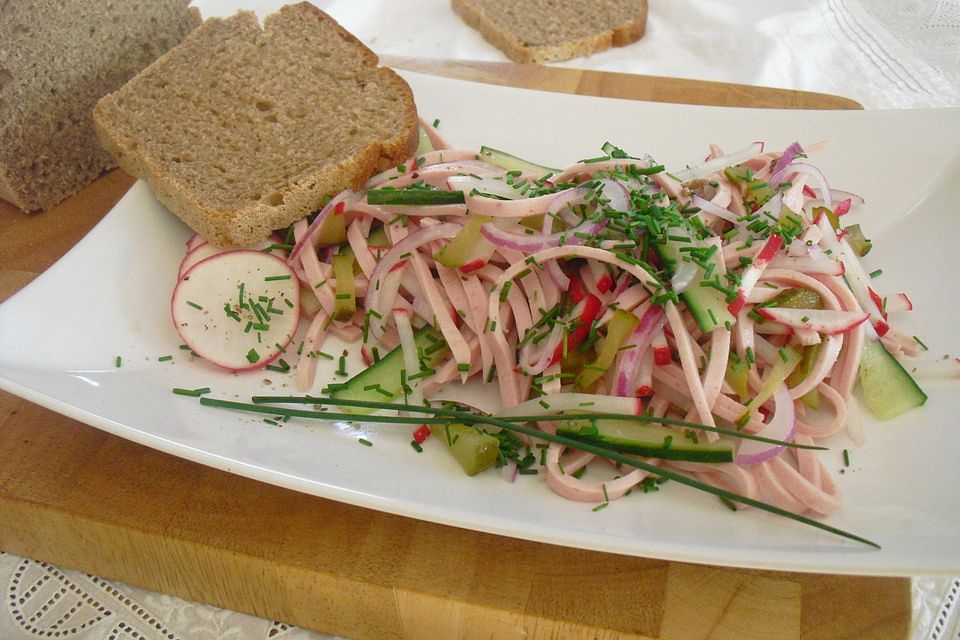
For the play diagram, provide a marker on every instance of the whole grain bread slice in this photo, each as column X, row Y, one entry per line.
column 551, row 30
column 244, row 129
column 57, row 58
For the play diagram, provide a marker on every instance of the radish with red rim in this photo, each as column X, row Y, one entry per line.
column 819, row 320
column 237, row 309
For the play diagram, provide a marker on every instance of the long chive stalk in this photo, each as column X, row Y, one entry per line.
column 535, row 433
column 456, row 413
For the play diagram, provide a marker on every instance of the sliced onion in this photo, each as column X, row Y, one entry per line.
column 509, row 471
column 529, row 243
column 782, row 426
column 556, row 274
column 719, row 164
column 812, row 171
column 639, row 340
column 714, row 209
column 839, row 195
column 789, row 155
column 616, row 193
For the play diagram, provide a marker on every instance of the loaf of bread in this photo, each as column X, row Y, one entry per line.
column 244, row 129
column 57, row 58
column 551, row 30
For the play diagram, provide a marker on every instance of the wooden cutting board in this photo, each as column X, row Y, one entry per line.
column 80, row 498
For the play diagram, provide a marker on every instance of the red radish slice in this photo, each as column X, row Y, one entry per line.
column 207, row 312
column 200, row 252
column 821, row 321
column 194, row 241
column 205, row 250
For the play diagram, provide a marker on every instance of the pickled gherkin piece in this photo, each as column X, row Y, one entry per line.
column 808, row 356
column 475, row 449
column 797, row 298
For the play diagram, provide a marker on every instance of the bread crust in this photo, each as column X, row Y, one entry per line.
column 302, row 192
column 499, row 35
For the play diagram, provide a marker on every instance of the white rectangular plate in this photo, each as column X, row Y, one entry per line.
column 110, row 296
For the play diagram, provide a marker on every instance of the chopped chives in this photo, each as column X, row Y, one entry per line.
column 365, row 442
column 193, row 393
column 164, row 358
column 783, row 354
column 276, row 278
column 876, row 273
column 416, row 446
column 271, row 422
column 252, row 356
column 602, row 505
column 846, row 458
column 520, row 428
column 920, row 342
column 194, row 305
column 117, row 362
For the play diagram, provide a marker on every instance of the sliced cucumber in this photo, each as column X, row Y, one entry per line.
column 887, row 387
column 707, row 304
column 413, row 197
column 475, row 449
column 383, row 380
column 513, row 163
column 651, row 440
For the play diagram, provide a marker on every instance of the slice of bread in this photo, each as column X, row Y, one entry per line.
column 551, row 30
column 244, row 129
column 57, row 58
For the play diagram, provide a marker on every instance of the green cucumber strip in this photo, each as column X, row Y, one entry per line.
column 699, row 298
column 887, row 387
column 651, row 440
column 512, row 162
column 413, row 197
column 384, row 377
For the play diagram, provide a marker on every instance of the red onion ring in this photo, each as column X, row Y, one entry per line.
column 789, row 155
column 782, row 426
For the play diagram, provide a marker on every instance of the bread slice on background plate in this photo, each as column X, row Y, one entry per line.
column 552, row 30
column 57, row 58
column 244, row 129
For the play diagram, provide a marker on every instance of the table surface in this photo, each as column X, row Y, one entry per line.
column 176, row 527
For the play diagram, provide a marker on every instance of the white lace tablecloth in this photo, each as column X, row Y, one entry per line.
column 883, row 53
